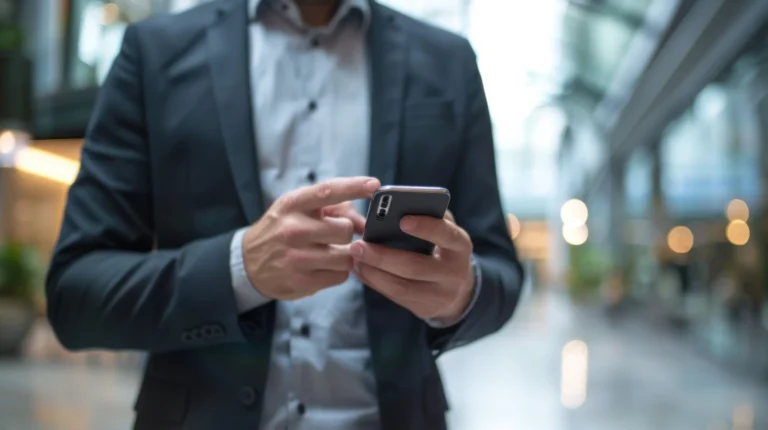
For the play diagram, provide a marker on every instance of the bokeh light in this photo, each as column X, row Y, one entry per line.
column 7, row 142
column 680, row 239
column 514, row 225
column 574, row 374
column 574, row 212
column 575, row 235
column 737, row 232
column 737, row 210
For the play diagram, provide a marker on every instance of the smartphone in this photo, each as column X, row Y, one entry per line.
column 391, row 203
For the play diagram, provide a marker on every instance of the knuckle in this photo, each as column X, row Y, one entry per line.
column 323, row 190
column 289, row 230
column 287, row 201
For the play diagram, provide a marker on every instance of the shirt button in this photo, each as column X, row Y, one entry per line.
column 312, row 106
column 301, row 409
column 314, row 42
column 312, row 176
column 304, row 330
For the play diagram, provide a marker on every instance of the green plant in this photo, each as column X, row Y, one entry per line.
column 11, row 38
column 21, row 272
column 589, row 267
column 11, row 34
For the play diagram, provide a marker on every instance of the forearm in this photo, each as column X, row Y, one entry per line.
column 161, row 301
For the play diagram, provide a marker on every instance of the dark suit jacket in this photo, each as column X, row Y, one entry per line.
column 169, row 163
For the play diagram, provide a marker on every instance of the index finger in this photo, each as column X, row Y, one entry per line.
column 328, row 193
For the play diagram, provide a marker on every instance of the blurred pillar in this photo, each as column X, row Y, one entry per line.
column 614, row 206
column 557, row 266
column 659, row 216
column 759, row 217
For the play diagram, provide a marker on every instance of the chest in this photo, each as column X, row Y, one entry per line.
column 222, row 140
column 311, row 100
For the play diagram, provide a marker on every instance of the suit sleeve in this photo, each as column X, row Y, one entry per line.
column 106, row 288
column 477, row 208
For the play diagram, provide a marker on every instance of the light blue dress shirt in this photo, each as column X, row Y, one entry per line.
column 311, row 99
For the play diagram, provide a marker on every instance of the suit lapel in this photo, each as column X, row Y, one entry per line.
column 227, row 45
column 386, row 47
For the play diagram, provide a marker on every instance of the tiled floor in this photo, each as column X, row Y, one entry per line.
column 612, row 376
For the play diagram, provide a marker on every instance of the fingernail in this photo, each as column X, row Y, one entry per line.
column 356, row 249
column 408, row 223
column 372, row 185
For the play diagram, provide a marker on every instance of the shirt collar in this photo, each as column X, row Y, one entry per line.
column 363, row 7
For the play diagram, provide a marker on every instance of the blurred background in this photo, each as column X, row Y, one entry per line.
column 631, row 148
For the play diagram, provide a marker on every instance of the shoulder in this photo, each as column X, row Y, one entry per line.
column 166, row 34
column 427, row 36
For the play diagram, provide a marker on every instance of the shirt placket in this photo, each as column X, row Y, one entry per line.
column 310, row 155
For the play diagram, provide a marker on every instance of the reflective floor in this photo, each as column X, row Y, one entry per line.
column 555, row 367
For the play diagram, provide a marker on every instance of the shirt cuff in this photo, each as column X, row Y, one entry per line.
column 246, row 296
column 435, row 323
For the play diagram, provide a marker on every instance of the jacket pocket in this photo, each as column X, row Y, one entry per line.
column 161, row 402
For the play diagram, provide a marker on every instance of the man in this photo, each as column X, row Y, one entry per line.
column 232, row 140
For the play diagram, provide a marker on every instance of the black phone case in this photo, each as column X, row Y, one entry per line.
column 418, row 201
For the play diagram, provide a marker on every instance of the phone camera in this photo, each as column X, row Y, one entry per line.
column 383, row 208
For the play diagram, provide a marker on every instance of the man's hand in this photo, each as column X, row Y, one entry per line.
column 438, row 286
column 301, row 244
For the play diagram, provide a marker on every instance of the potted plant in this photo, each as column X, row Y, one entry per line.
column 21, row 275
column 590, row 267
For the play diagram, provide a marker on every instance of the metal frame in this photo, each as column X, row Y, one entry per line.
column 706, row 42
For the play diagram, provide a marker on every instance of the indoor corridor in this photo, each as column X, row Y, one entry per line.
column 556, row 366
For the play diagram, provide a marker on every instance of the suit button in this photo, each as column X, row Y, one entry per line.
column 207, row 331
column 218, row 331
column 247, row 396
column 186, row 337
column 197, row 335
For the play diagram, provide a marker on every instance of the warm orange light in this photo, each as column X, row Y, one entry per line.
column 47, row 165
column 737, row 232
column 574, row 212
column 680, row 239
column 7, row 142
column 575, row 235
column 737, row 210
column 111, row 13
column 514, row 226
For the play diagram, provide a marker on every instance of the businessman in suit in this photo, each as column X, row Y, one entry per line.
column 213, row 223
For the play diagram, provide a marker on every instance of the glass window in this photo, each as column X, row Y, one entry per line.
column 45, row 32
column 97, row 34
column 703, row 163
